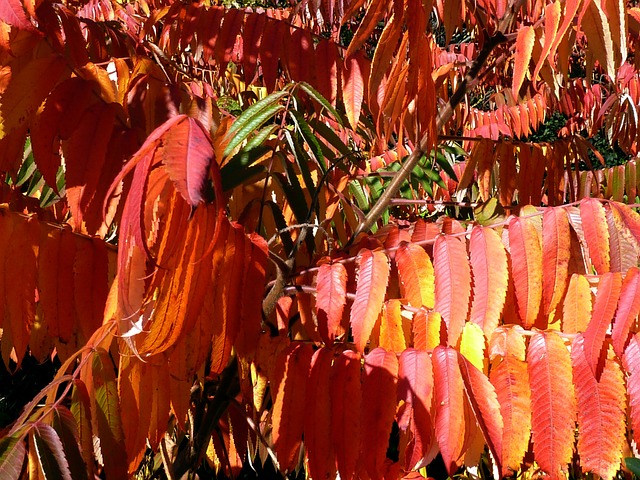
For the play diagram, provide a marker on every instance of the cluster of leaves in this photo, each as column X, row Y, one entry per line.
column 209, row 279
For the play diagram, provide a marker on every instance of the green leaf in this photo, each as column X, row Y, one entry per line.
column 81, row 411
column 443, row 162
column 633, row 464
column 253, row 124
column 246, row 117
column 240, row 168
column 260, row 137
column 359, row 194
column 50, row 452
column 330, row 136
column 65, row 425
column 12, row 453
column 302, row 160
column 310, row 139
column 313, row 93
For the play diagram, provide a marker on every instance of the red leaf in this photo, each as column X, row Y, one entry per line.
column 553, row 403
column 326, row 55
column 601, row 413
column 378, row 408
column 289, row 408
column 373, row 276
column 186, row 153
column 556, row 251
column 12, row 13
column 490, row 278
column 416, row 275
column 628, row 310
column 511, row 381
column 415, row 389
column 317, row 427
column 346, row 400
column 603, row 310
column 526, row 266
column 453, row 284
column 331, row 298
column 596, row 233
column 450, row 420
column 353, row 89
column 12, row 453
column 631, row 363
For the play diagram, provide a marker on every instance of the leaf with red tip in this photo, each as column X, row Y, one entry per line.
column 331, row 287
column 631, row 363
column 186, row 153
column 415, row 389
column 490, row 278
column 596, row 233
column 524, row 48
column 416, row 275
column 317, row 427
column 484, row 402
column 346, row 398
column 553, row 403
column 603, row 309
column 289, row 407
column 510, row 378
column 576, row 307
column 378, row 408
column 627, row 311
column 373, row 276
column 453, row 284
column 450, row 420
column 601, row 413
column 556, row 251
column 526, row 268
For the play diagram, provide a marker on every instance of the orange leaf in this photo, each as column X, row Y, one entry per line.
column 375, row 11
column 490, row 278
column 556, row 251
column 511, row 381
column 415, row 389
column 378, row 408
column 426, row 329
column 416, row 275
column 373, row 276
column 552, row 13
column 317, row 426
column 622, row 245
column 553, row 403
column 289, row 407
column 601, row 413
column 526, row 268
column 576, row 307
column 453, row 284
column 627, row 311
column 391, row 331
column 353, row 88
column 484, row 403
column 524, row 48
column 449, row 392
column 603, row 309
column 331, row 287
column 595, row 26
column 346, row 398
column 596, row 233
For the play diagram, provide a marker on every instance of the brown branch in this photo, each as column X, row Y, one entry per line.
column 444, row 116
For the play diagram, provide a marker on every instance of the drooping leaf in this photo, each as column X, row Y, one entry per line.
column 353, row 88
column 317, row 423
column 50, row 452
column 556, row 252
column 346, row 398
column 12, row 13
column 416, row 275
column 81, row 410
column 510, row 378
column 596, row 234
column 373, row 276
column 524, row 48
column 603, row 309
column 12, row 454
column 526, row 265
column 379, row 380
column 490, row 278
column 331, row 287
column 631, row 364
column 627, row 311
column 292, row 370
column 392, row 335
column 576, row 307
column 65, row 426
column 601, row 417
column 552, row 12
column 453, row 284
column 484, row 403
column 449, row 394
column 553, row 402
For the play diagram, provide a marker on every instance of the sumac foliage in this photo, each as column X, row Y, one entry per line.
column 323, row 237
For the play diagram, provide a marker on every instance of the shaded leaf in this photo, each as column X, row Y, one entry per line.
column 51, row 455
